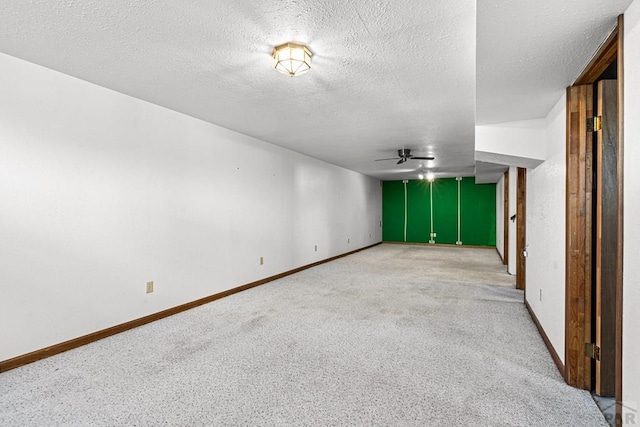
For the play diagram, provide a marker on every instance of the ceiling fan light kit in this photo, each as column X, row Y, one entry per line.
column 292, row 59
column 429, row 176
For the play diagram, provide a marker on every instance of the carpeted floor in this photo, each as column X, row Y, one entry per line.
column 394, row 335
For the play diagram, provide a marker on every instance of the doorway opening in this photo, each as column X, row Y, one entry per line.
column 593, row 347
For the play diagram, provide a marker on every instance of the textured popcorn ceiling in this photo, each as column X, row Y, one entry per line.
column 528, row 52
column 385, row 74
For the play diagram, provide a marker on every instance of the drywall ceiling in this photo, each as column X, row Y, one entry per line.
column 385, row 74
column 528, row 52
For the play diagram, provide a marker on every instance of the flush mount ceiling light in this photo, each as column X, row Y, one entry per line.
column 292, row 59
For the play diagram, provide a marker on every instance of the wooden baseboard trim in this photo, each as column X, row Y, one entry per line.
column 34, row 356
column 546, row 340
column 442, row 245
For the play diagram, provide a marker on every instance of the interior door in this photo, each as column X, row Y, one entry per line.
column 606, row 238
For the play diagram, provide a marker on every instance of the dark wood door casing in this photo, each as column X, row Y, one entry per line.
column 578, row 236
column 521, row 230
column 578, row 318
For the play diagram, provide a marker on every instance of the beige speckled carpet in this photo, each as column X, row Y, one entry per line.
column 393, row 335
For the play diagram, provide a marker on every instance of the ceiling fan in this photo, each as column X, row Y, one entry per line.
column 404, row 154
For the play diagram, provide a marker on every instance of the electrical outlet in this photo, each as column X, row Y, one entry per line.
column 348, row 241
column 149, row 287
column 261, row 260
column 316, row 248
column 369, row 235
column 541, row 295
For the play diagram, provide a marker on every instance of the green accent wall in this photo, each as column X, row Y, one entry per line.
column 478, row 218
column 418, row 213
column 445, row 210
column 477, row 211
column 393, row 211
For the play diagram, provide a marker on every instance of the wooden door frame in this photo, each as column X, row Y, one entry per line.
column 521, row 231
column 578, row 239
column 579, row 227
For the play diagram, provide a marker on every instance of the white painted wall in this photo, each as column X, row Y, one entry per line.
column 102, row 192
column 517, row 140
column 631, row 280
column 500, row 216
column 514, row 144
column 513, row 205
column 542, row 139
column 546, row 206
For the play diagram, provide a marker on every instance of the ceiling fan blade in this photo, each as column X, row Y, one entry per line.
column 390, row 158
column 422, row 158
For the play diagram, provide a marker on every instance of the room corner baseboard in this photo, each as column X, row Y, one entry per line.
column 545, row 338
column 34, row 356
column 500, row 255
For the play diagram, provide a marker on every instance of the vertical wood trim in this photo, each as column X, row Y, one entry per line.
column 505, row 257
column 606, row 224
column 587, row 170
column 569, row 328
column 620, row 230
column 578, row 238
column 521, row 235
